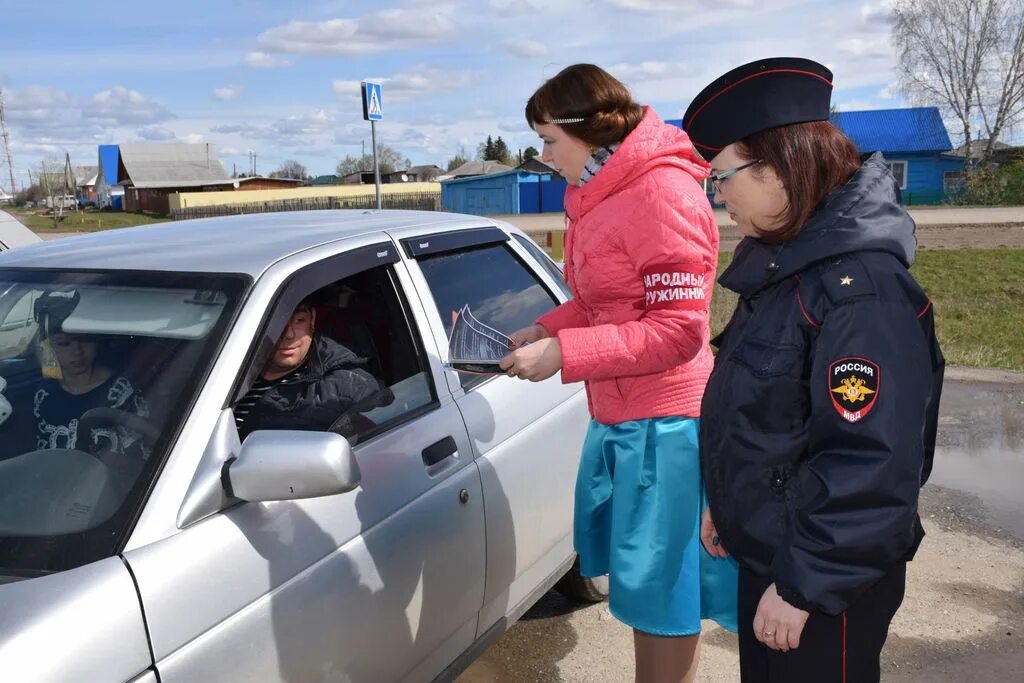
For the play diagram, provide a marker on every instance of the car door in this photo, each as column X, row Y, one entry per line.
column 526, row 436
column 380, row 584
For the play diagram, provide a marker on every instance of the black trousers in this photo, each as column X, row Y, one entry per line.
column 844, row 648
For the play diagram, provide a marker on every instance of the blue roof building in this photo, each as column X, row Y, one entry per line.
column 108, row 192
column 915, row 144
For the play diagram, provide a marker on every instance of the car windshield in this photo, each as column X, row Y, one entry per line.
column 97, row 370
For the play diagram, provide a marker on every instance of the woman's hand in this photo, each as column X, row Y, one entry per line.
column 709, row 536
column 535, row 361
column 777, row 623
column 528, row 335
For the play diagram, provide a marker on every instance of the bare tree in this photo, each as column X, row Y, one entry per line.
column 291, row 169
column 389, row 158
column 57, row 183
column 966, row 57
column 461, row 157
column 1002, row 101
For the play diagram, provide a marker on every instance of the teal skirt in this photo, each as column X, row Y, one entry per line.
column 639, row 500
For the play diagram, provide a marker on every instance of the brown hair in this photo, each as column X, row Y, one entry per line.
column 589, row 92
column 811, row 159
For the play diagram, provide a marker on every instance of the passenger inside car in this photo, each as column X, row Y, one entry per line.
column 311, row 382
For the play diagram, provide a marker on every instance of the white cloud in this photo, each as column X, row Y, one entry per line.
column 877, row 14
column 237, row 129
column 192, row 138
column 123, row 106
column 262, row 60
column 677, row 5
column 876, row 46
column 517, row 7
column 419, row 82
column 228, row 92
column 651, row 71
column 384, row 31
column 527, row 49
column 155, row 133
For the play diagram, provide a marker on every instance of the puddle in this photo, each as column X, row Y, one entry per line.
column 980, row 447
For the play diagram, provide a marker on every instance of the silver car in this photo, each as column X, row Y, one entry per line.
column 141, row 541
column 13, row 233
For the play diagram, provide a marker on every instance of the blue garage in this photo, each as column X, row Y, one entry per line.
column 511, row 192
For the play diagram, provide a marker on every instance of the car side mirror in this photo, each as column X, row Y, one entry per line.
column 291, row 465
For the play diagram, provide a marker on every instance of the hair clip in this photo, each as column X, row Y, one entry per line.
column 568, row 120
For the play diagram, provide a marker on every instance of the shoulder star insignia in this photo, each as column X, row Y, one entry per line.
column 845, row 281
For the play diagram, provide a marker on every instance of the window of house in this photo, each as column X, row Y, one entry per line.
column 899, row 172
column 501, row 290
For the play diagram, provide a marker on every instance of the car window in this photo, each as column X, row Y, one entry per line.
column 97, row 371
column 501, row 290
column 545, row 261
column 365, row 370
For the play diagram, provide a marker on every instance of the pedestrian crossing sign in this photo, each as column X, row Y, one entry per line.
column 372, row 109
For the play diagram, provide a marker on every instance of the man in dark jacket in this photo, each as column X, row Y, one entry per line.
column 309, row 383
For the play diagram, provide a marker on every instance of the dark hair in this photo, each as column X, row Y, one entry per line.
column 811, row 159
column 589, row 92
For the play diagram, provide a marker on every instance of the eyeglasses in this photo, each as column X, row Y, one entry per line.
column 717, row 178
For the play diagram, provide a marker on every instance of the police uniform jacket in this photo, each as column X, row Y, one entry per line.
column 818, row 423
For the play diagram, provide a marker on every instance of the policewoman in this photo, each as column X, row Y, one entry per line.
column 820, row 414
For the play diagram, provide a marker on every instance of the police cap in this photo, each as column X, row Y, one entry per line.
column 764, row 94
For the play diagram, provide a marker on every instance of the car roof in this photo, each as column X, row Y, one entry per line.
column 246, row 244
column 13, row 233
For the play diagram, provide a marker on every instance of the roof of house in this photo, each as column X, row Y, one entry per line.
column 330, row 179
column 85, row 175
column 912, row 129
column 165, row 165
column 471, row 168
column 108, row 162
column 537, row 162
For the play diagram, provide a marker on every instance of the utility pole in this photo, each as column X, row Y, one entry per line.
column 5, row 140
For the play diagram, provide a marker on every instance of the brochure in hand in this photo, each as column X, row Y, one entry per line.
column 474, row 347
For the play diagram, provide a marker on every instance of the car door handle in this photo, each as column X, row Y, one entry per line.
column 436, row 452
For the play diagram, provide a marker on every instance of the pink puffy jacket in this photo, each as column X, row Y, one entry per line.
column 641, row 256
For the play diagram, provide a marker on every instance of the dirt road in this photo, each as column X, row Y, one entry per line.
column 963, row 616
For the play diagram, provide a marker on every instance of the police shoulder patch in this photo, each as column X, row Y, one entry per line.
column 854, row 385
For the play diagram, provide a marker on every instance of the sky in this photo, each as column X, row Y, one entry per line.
column 282, row 78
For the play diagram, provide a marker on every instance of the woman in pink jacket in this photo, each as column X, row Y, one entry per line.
column 641, row 255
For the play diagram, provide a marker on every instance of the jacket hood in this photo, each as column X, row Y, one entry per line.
column 862, row 215
column 651, row 144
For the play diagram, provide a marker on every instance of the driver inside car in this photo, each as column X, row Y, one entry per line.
column 310, row 383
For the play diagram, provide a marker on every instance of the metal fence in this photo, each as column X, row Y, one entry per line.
column 415, row 201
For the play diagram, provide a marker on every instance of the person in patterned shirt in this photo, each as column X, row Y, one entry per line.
column 84, row 384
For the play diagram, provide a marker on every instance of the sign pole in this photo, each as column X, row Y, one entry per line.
column 373, row 112
column 376, row 164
